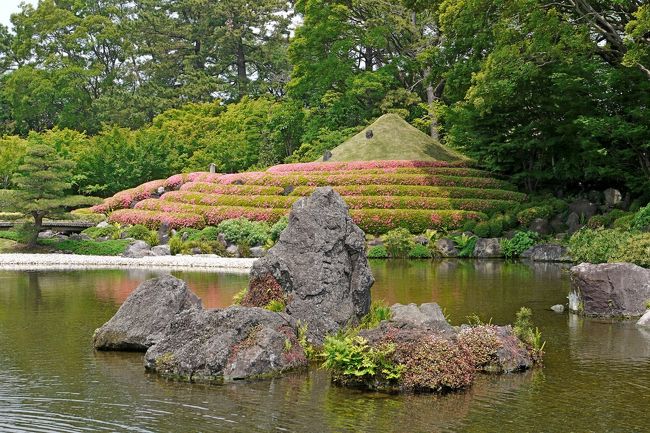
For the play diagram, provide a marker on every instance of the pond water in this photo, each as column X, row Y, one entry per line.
column 596, row 376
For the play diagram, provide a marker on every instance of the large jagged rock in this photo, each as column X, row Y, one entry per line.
column 610, row 289
column 320, row 263
column 143, row 317
column 227, row 344
column 488, row 248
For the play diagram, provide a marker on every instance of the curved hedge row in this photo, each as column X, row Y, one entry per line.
column 285, row 180
column 438, row 171
column 354, row 202
column 212, row 188
column 127, row 198
column 418, row 191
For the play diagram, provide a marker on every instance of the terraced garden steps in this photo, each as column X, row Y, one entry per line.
column 381, row 195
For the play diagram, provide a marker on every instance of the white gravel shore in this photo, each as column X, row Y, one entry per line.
column 70, row 261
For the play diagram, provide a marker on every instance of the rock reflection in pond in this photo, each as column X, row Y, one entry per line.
column 594, row 340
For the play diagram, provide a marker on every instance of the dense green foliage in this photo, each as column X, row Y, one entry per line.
column 610, row 245
column 519, row 243
column 554, row 93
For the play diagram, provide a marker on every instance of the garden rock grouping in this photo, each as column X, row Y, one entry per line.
column 318, row 272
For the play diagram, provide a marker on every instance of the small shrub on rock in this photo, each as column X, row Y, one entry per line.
column 111, row 232
column 641, row 219
column 482, row 229
column 353, row 362
column 262, row 291
column 278, row 228
column 142, row 233
column 481, row 343
column 519, row 243
column 526, row 216
column 419, row 251
column 377, row 252
column 597, row 246
column 465, row 244
column 398, row 242
column 378, row 311
column 433, row 363
column 597, row 221
column 527, row 332
column 242, row 231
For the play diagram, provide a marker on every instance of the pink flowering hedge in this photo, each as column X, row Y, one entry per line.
column 154, row 219
column 213, row 188
column 379, row 221
column 127, row 198
column 354, row 202
column 440, row 171
column 263, row 201
column 418, row 191
column 213, row 215
column 363, row 165
column 178, row 180
column 285, row 180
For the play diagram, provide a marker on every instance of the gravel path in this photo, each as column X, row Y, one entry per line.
column 71, row 261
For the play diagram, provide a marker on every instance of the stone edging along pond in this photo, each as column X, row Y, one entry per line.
column 71, row 261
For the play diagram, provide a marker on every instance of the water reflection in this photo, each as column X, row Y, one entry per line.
column 596, row 375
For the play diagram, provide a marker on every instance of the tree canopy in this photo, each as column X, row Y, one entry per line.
column 555, row 94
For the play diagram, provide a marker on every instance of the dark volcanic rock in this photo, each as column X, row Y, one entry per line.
column 610, row 289
column 321, row 265
column 447, row 247
column 228, row 344
column 547, row 253
column 145, row 314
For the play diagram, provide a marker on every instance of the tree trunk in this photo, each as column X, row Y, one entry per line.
column 242, row 77
column 433, row 94
column 38, row 225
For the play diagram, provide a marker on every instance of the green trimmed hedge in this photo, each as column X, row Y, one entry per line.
column 213, row 188
column 418, row 191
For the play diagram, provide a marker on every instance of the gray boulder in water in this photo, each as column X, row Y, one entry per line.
column 320, row 263
column 610, row 289
column 143, row 317
column 226, row 344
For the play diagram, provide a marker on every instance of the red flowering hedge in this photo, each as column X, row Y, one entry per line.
column 154, row 219
column 379, row 221
column 418, row 191
column 363, row 165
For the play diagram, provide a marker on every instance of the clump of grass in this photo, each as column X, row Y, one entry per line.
column 276, row 305
column 307, row 347
column 527, row 332
column 239, row 296
column 379, row 311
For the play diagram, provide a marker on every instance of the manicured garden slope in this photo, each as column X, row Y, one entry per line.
column 393, row 138
column 382, row 195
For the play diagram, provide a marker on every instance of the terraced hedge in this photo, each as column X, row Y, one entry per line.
column 382, row 195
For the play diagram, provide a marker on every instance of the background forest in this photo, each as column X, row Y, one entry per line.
column 555, row 94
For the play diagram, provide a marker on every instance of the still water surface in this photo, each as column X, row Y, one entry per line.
column 596, row 377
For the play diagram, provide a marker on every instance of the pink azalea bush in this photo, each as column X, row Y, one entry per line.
column 362, row 165
column 127, row 198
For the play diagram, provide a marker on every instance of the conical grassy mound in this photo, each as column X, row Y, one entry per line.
column 393, row 138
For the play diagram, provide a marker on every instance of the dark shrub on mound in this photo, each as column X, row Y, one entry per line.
column 262, row 291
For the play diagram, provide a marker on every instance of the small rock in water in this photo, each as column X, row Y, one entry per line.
column 558, row 308
column 645, row 319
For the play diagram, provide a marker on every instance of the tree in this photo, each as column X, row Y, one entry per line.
column 12, row 152
column 42, row 185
